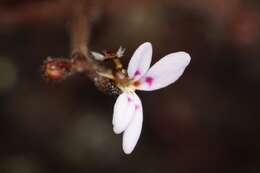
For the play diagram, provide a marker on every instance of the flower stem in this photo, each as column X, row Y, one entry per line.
column 79, row 27
column 80, row 60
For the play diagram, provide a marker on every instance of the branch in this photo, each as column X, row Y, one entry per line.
column 80, row 61
column 80, row 27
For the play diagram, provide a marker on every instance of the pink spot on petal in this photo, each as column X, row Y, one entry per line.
column 129, row 99
column 137, row 107
column 149, row 81
column 137, row 73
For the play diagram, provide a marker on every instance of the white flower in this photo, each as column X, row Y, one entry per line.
column 128, row 111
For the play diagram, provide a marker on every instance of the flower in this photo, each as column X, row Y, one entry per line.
column 128, row 110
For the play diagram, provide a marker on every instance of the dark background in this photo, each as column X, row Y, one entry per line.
column 208, row 121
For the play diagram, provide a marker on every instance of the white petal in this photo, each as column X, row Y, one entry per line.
column 123, row 112
column 98, row 56
column 165, row 71
column 133, row 131
column 140, row 61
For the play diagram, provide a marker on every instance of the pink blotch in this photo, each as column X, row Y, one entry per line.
column 129, row 99
column 137, row 73
column 137, row 107
column 149, row 81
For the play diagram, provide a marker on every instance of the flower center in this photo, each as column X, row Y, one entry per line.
column 126, row 86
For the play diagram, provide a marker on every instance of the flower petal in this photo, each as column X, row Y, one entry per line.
column 133, row 131
column 165, row 71
column 123, row 112
column 140, row 61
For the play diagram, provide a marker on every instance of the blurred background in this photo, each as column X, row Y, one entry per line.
column 208, row 121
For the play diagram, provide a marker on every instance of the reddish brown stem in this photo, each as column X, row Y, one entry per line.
column 81, row 61
column 80, row 27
